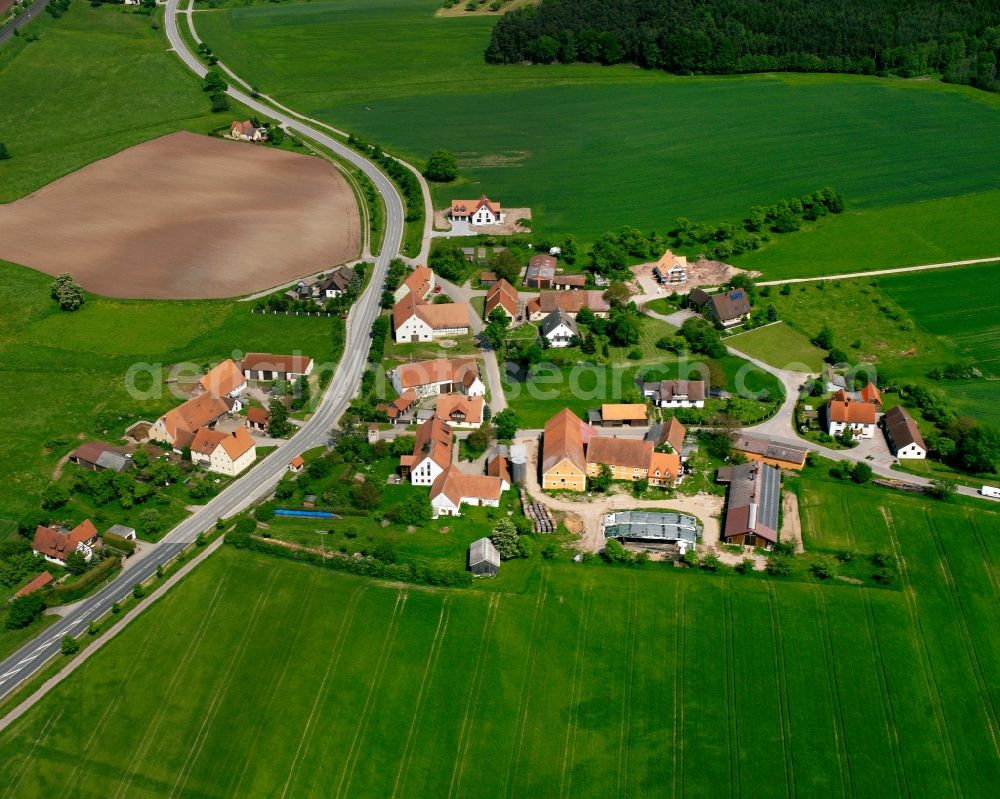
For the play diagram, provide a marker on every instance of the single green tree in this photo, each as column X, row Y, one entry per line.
column 76, row 563
column 504, row 538
column 506, row 423
column 69, row 645
column 4, row 152
column 442, row 167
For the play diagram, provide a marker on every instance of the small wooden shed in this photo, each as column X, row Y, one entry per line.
column 484, row 560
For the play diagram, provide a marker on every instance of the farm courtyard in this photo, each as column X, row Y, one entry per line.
column 263, row 677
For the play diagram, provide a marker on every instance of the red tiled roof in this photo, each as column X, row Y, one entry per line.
column 455, row 485
column 468, row 409
column 223, row 379
column 564, row 437
column 268, row 362
column 501, row 294
column 58, row 544
column 434, row 440
column 40, row 581
column 627, row 452
column 870, row 393
column 182, row 422
column 439, row 370
column 469, row 207
column 572, row 301
column 846, row 410
column 258, row 415
column 675, row 435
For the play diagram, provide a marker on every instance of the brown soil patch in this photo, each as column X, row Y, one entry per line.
column 700, row 273
column 187, row 217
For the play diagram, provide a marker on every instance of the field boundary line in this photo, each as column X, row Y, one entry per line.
column 781, row 685
column 303, row 612
column 888, row 712
column 680, row 640
column 732, row 723
column 572, row 723
column 963, row 628
column 848, row 521
column 112, row 706
column 43, row 734
column 147, row 739
column 338, row 647
column 625, row 731
column 877, row 272
column 926, row 666
column 525, row 702
column 432, row 659
column 987, row 555
column 194, row 752
column 380, row 666
column 464, row 734
column 839, row 728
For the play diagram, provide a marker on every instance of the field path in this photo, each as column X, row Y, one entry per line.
column 876, row 272
column 573, row 720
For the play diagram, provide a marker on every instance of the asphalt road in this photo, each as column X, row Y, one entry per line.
column 23, row 20
column 31, row 657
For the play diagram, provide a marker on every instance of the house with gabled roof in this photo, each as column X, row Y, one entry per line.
column 439, row 376
column 421, row 321
column 773, row 453
column 617, row 414
column 676, row 393
column 729, row 307
column 225, row 453
column 225, row 379
column 501, row 295
column 399, row 411
column 420, row 284
column 541, row 272
column 432, row 453
column 564, row 463
column 484, row 559
column 570, row 302
column 483, row 211
column 55, row 544
column 845, row 414
column 559, row 329
column 459, row 411
column 453, row 488
column 902, row 434
column 179, row 425
column 247, row 131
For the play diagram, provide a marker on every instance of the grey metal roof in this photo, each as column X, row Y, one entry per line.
column 112, row 460
column 556, row 318
column 651, row 526
column 120, row 529
column 483, row 550
column 771, row 449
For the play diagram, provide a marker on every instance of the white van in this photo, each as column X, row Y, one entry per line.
column 990, row 491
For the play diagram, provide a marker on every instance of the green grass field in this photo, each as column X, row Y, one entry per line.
column 779, row 345
column 580, row 143
column 961, row 306
column 274, row 678
column 83, row 92
column 908, row 324
column 66, row 372
column 862, row 239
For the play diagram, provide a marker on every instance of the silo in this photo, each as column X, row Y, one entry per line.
column 518, row 463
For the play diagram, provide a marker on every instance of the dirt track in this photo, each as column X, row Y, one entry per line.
column 186, row 217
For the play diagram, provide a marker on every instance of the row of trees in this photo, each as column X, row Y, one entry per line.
column 401, row 176
column 902, row 37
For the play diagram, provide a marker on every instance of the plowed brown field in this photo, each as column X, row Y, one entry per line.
column 186, row 217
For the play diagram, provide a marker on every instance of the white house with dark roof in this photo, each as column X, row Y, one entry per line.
column 559, row 329
column 676, row 393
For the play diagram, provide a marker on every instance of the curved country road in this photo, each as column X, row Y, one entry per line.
column 256, row 483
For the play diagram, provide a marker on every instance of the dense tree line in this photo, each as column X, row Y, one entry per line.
column 958, row 38
column 401, row 176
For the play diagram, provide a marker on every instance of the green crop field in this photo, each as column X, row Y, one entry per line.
column 590, row 148
column 66, row 372
column 262, row 677
column 779, row 345
column 83, row 91
column 960, row 305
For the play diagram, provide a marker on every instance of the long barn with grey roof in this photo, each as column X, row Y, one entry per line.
column 752, row 504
